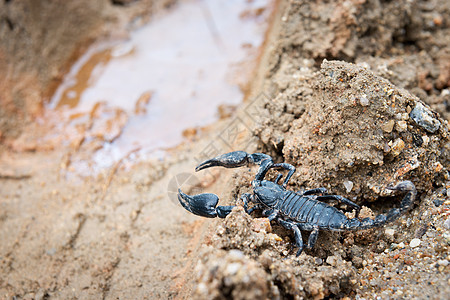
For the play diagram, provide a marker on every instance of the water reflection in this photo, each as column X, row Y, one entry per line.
column 170, row 75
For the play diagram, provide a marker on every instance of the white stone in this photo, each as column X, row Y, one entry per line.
column 447, row 222
column 332, row 260
column 401, row 126
column 236, row 255
column 363, row 100
column 348, row 185
column 414, row 243
column 233, row 268
column 443, row 262
column 389, row 232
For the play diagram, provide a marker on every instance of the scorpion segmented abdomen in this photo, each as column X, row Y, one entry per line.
column 306, row 209
column 303, row 209
column 287, row 203
column 290, row 204
column 314, row 214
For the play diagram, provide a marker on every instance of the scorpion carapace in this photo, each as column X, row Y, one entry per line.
column 293, row 210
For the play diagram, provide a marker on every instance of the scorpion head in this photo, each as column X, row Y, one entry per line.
column 268, row 193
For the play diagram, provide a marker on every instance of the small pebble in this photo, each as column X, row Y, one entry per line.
column 389, row 232
column 401, row 126
column 220, row 230
column 447, row 237
column 443, row 262
column 405, row 116
column 447, row 223
column 388, row 126
column 438, row 202
column 397, row 147
column 331, row 260
column 233, row 268
column 348, row 185
column 424, row 118
column 363, row 100
column 202, row 288
column 414, row 243
column 51, row 251
column 235, row 254
column 401, row 245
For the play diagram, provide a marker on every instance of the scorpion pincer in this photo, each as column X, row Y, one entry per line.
column 293, row 210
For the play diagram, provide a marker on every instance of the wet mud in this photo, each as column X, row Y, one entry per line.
column 354, row 94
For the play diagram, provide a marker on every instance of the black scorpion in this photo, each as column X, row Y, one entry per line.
column 293, row 210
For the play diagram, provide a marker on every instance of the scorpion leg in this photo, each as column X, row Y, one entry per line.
column 340, row 199
column 246, row 198
column 253, row 208
column 315, row 191
column 271, row 214
column 289, row 225
column 285, row 166
column 278, row 178
column 313, row 237
column 204, row 205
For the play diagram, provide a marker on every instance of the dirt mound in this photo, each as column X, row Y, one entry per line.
column 353, row 132
column 354, row 128
column 358, row 133
column 258, row 266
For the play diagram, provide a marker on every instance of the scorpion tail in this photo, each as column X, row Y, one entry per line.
column 391, row 215
column 203, row 205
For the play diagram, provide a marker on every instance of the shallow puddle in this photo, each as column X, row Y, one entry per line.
column 170, row 75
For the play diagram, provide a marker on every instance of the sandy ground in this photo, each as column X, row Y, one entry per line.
column 347, row 126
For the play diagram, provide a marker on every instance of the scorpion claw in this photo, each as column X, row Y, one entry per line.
column 223, row 211
column 229, row 160
column 201, row 205
column 204, row 205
